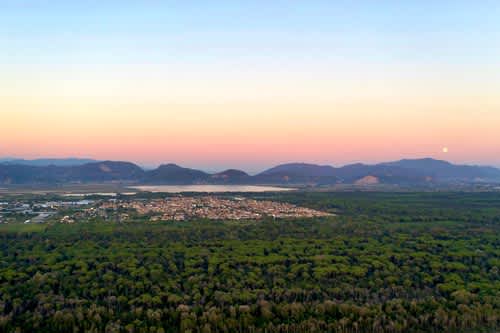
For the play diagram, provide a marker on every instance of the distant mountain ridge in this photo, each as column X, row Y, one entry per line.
column 446, row 170
column 403, row 172
column 47, row 161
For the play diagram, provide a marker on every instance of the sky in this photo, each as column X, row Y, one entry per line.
column 250, row 84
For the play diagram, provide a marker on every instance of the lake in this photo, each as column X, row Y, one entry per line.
column 102, row 194
column 209, row 188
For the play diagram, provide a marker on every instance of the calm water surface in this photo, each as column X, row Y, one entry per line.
column 210, row 188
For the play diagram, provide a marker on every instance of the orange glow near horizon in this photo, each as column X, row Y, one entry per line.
column 248, row 133
column 140, row 114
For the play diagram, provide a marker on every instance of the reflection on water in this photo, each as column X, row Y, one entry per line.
column 209, row 188
column 108, row 194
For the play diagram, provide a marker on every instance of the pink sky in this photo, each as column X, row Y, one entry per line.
column 250, row 135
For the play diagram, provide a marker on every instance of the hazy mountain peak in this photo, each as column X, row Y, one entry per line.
column 232, row 172
column 300, row 168
column 420, row 162
column 70, row 161
column 170, row 165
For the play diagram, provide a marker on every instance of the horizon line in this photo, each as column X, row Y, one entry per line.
column 150, row 166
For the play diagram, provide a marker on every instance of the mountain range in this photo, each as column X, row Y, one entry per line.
column 46, row 161
column 404, row 172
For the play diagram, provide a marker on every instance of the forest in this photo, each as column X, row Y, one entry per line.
column 387, row 262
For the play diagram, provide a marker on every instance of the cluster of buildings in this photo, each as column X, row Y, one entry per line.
column 211, row 207
column 22, row 209
column 35, row 212
column 105, row 210
column 178, row 208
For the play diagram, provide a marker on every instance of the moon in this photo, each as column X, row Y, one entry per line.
column 445, row 150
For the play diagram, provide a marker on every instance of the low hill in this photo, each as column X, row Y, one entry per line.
column 298, row 173
column 174, row 174
column 232, row 176
column 90, row 172
column 106, row 171
column 385, row 174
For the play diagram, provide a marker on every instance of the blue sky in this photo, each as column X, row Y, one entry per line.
column 157, row 31
column 250, row 83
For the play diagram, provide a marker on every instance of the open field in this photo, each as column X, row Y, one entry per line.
column 64, row 188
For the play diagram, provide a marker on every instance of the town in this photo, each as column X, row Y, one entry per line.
column 176, row 208
column 214, row 208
